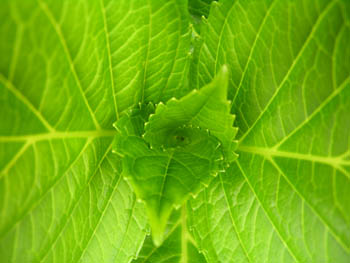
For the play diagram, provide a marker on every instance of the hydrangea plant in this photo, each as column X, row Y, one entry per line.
column 175, row 131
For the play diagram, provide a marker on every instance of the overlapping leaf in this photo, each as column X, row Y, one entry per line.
column 207, row 108
column 68, row 70
column 178, row 246
column 169, row 154
column 285, row 199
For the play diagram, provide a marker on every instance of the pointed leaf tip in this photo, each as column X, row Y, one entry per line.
column 164, row 147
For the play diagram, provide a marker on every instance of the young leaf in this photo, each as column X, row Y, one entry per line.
column 178, row 245
column 207, row 108
column 169, row 154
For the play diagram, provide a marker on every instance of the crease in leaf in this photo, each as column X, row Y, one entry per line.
column 170, row 151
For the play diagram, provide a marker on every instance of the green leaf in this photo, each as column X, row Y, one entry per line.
column 286, row 197
column 68, row 70
column 180, row 156
column 178, row 246
column 199, row 7
column 206, row 108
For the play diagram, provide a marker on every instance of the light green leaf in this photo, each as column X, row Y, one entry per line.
column 207, row 108
column 68, row 70
column 178, row 246
column 180, row 156
column 286, row 198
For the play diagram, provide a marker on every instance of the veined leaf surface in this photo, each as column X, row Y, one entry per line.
column 171, row 152
column 70, row 69
column 286, row 198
